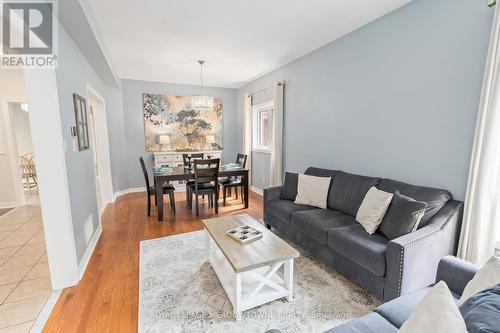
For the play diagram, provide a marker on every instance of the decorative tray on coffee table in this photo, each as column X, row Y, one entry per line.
column 244, row 234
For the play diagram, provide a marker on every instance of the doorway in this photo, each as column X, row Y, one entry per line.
column 99, row 145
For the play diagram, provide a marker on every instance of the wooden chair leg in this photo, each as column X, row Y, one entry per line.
column 224, row 193
column 197, row 209
column 172, row 200
column 187, row 193
column 236, row 192
column 229, row 192
column 242, row 195
column 216, row 204
column 149, row 203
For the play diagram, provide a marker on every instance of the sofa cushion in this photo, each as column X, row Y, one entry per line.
column 399, row 310
column 316, row 223
column 312, row 190
column 435, row 198
column 481, row 312
column 319, row 172
column 283, row 209
column 289, row 188
column 402, row 217
column 371, row 323
column 348, row 191
column 357, row 245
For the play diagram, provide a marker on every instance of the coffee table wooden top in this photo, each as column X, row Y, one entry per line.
column 262, row 252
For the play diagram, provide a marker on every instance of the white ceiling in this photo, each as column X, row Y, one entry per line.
column 161, row 40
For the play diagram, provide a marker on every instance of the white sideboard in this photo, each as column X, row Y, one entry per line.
column 173, row 159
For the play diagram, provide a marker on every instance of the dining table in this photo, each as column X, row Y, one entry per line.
column 185, row 173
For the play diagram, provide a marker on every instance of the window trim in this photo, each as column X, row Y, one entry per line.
column 256, row 110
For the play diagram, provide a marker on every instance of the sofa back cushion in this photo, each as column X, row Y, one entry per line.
column 289, row 188
column 348, row 191
column 435, row 198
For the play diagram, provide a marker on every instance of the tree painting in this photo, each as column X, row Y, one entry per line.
column 186, row 127
column 192, row 126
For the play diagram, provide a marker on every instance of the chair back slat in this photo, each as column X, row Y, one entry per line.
column 145, row 172
column 241, row 159
column 206, row 171
column 185, row 158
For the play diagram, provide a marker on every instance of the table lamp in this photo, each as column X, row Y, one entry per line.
column 164, row 141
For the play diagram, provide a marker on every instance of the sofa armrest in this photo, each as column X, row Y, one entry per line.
column 412, row 259
column 456, row 273
column 270, row 193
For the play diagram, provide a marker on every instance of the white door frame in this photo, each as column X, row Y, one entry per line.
column 13, row 151
column 102, row 143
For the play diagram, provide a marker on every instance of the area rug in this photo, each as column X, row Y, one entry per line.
column 179, row 292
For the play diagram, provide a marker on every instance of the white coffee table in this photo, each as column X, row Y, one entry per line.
column 248, row 272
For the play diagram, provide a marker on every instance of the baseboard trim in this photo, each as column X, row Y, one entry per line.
column 88, row 253
column 118, row 194
column 257, row 190
column 8, row 204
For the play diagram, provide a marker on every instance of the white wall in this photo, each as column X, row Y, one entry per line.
column 21, row 127
column 12, row 89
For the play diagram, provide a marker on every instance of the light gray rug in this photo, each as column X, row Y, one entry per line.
column 179, row 292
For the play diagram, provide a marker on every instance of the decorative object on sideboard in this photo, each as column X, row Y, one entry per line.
column 202, row 101
column 186, row 126
column 81, row 119
column 164, row 141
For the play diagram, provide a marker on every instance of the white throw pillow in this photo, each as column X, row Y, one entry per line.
column 372, row 210
column 312, row 190
column 487, row 276
column 436, row 312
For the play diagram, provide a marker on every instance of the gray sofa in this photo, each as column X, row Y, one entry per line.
column 386, row 268
column 389, row 317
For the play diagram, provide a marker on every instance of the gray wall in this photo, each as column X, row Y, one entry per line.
column 397, row 98
column 134, row 122
column 73, row 74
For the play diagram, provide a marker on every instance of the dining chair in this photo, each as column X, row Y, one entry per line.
column 206, row 176
column 187, row 161
column 151, row 190
column 28, row 171
column 233, row 182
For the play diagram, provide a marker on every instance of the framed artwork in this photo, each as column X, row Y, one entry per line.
column 172, row 124
column 82, row 126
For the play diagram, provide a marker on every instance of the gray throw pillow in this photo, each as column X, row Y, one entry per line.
column 402, row 217
column 289, row 188
column 481, row 312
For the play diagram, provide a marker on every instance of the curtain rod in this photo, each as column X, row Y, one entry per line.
column 267, row 88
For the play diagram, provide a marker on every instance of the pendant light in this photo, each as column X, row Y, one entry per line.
column 202, row 101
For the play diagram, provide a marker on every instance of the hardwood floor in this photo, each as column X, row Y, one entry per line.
column 106, row 299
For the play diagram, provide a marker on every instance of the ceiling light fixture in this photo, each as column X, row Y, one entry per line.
column 202, row 101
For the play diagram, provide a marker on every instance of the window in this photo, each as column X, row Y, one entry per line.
column 262, row 127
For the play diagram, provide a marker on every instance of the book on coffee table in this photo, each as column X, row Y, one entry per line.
column 244, row 234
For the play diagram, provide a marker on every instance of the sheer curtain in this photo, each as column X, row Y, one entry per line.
column 247, row 131
column 482, row 202
column 276, row 176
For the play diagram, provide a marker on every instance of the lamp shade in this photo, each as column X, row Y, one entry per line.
column 209, row 139
column 164, row 139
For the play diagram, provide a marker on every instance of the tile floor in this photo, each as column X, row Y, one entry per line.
column 24, row 273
